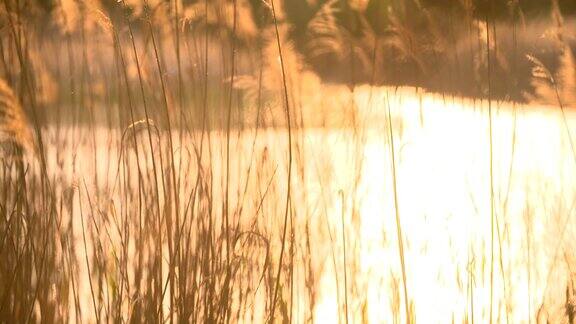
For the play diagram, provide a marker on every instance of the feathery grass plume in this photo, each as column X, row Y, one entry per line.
column 161, row 18
column 220, row 19
column 323, row 33
column 327, row 36
column 46, row 84
column 540, row 72
column 68, row 16
column 195, row 16
column 15, row 132
column 293, row 61
column 246, row 27
column 302, row 82
column 565, row 79
column 550, row 88
column 103, row 21
column 92, row 15
column 137, row 7
column 402, row 37
column 101, row 37
column 367, row 46
column 480, row 59
column 546, row 84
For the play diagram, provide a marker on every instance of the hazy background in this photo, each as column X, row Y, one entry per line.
column 437, row 45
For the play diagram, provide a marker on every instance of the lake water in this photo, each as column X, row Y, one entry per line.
column 442, row 161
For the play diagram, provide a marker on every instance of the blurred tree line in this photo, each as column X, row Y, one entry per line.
column 437, row 44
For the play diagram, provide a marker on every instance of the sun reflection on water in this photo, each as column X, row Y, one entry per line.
column 442, row 173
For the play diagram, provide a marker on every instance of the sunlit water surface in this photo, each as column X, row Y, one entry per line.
column 442, row 161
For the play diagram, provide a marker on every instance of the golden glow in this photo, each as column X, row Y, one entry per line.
column 444, row 204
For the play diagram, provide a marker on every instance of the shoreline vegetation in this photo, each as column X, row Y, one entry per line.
column 75, row 56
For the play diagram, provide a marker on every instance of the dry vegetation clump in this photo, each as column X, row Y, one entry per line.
column 15, row 130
